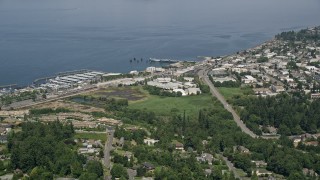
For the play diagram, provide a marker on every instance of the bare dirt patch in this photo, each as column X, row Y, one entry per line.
column 69, row 105
column 130, row 93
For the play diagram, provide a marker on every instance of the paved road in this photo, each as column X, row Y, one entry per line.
column 108, row 147
column 203, row 75
column 230, row 166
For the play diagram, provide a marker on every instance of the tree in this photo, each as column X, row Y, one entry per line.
column 76, row 169
column 95, row 167
column 118, row 171
column 296, row 175
column 88, row 176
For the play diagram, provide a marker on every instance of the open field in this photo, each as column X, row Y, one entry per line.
column 228, row 93
column 163, row 106
column 95, row 136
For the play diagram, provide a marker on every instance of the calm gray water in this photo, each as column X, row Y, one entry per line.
column 42, row 37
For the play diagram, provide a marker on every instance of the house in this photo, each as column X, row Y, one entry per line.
column 277, row 89
column 239, row 70
column 311, row 143
column 189, row 79
column 315, row 95
column 311, row 68
column 148, row 166
column 205, row 157
column 183, row 92
column 179, row 146
column 189, row 85
column 208, row 172
column 261, row 91
column 134, row 72
column 241, row 149
column 150, row 69
column 218, row 72
column 150, row 142
column 309, row 172
column 249, row 79
column 223, row 79
column 194, row 91
column 259, row 163
column 110, row 121
column 128, row 155
column 254, row 71
column 262, row 172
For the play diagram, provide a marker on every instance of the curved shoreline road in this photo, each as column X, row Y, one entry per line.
column 203, row 75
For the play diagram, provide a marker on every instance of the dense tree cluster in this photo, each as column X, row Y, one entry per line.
column 292, row 114
column 262, row 59
column 109, row 78
column 136, row 115
column 300, row 35
column 45, row 151
column 137, row 135
column 10, row 98
column 226, row 83
column 160, row 92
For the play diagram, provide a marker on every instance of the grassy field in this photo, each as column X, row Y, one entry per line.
column 95, row 136
column 228, row 93
column 164, row 105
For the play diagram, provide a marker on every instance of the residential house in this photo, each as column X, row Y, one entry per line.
column 309, row 172
column 260, row 163
column 261, row 91
column 183, row 92
column 205, row 157
column 315, row 95
column 262, row 172
column 193, row 91
column 179, row 146
column 150, row 142
column 277, row 89
column 148, row 166
column 223, row 79
column 249, row 79
column 241, row 149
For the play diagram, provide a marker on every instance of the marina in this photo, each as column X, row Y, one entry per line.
column 70, row 79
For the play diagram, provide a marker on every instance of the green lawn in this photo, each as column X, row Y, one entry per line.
column 163, row 105
column 228, row 93
column 95, row 136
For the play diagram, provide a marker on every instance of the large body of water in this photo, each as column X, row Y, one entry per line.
column 42, row 37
